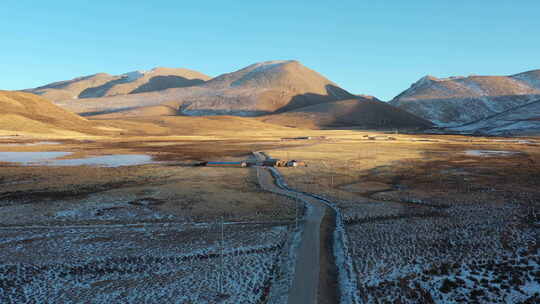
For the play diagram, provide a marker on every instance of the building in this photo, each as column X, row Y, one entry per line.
column 271, row 162
column 296, row 163
column 283, row 163
column 225, row 164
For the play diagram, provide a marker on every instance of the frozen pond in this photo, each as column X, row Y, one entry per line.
column 51, row 159
column 105, row 161
column 30, row 158
column 517, row 141
column 487, row 153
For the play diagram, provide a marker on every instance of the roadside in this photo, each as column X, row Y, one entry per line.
column 315, row 279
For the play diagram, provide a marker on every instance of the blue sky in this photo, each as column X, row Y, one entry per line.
column 367, row 47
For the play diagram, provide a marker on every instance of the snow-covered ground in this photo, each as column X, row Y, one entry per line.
column 132, row 76
column 157, row 264
column 479, row 252
column 52, row 159
column 521, row 120
column 454, row 101
column 487, row 153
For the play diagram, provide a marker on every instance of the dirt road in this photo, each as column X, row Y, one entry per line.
column 306, row 282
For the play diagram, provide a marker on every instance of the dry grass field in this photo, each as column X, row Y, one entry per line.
column 432, row 219
column 429, row 218
column 180, row 189
column 138, row 233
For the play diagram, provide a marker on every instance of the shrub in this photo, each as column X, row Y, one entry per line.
column 448, row 286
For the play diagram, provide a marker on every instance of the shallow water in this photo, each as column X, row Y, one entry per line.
column 486, row 153
column 50, row 159
column 118, row 160
column 29, row 158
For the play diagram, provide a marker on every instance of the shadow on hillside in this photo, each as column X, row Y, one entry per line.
column 101, row 90
column 333, row 93
column 371, row 114
column 184, row 111
column 158, row 83
column 108, row 111
column 353, row 114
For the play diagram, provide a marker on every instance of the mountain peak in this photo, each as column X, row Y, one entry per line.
column 423, row 82
column 132, row 76
column 427, row 79
column 272, row 63
column 284, row 74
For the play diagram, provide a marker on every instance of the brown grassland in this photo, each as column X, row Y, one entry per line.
column 413, row 185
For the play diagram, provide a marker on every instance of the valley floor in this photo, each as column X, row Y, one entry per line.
column 428, row 218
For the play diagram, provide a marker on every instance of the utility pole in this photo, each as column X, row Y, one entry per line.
column 215, row 225
column 296, row 212
column 222, row 255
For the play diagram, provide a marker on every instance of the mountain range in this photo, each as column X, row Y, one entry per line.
column 258, row 89
column 288, row 93
column 103, row 84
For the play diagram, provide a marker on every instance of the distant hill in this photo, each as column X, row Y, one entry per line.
column 27, row 113
column 362, row 112
column 31, row 115
column 273, row 86
column 262, row 88
column 102, row 85
column 458, row 100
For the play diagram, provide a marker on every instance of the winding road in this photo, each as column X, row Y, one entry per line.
column 307, row 274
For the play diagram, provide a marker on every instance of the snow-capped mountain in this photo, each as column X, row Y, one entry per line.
column 459, row 100
column 521, row 120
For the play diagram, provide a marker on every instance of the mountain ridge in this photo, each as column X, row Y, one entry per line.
column 520, row 120
column 103, row 84
column 458, row 100
column 258, row 89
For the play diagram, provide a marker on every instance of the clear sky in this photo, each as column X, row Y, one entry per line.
column 367, row 47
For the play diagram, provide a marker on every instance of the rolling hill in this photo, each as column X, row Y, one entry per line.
column 262, row 88
column 459, row 100
column 102, row 84
column 25, row 113
column 362, row 113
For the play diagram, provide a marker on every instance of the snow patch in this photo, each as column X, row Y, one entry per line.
column 528, row 79
column 488, row 153
column 265, row 66
column 132, row 76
